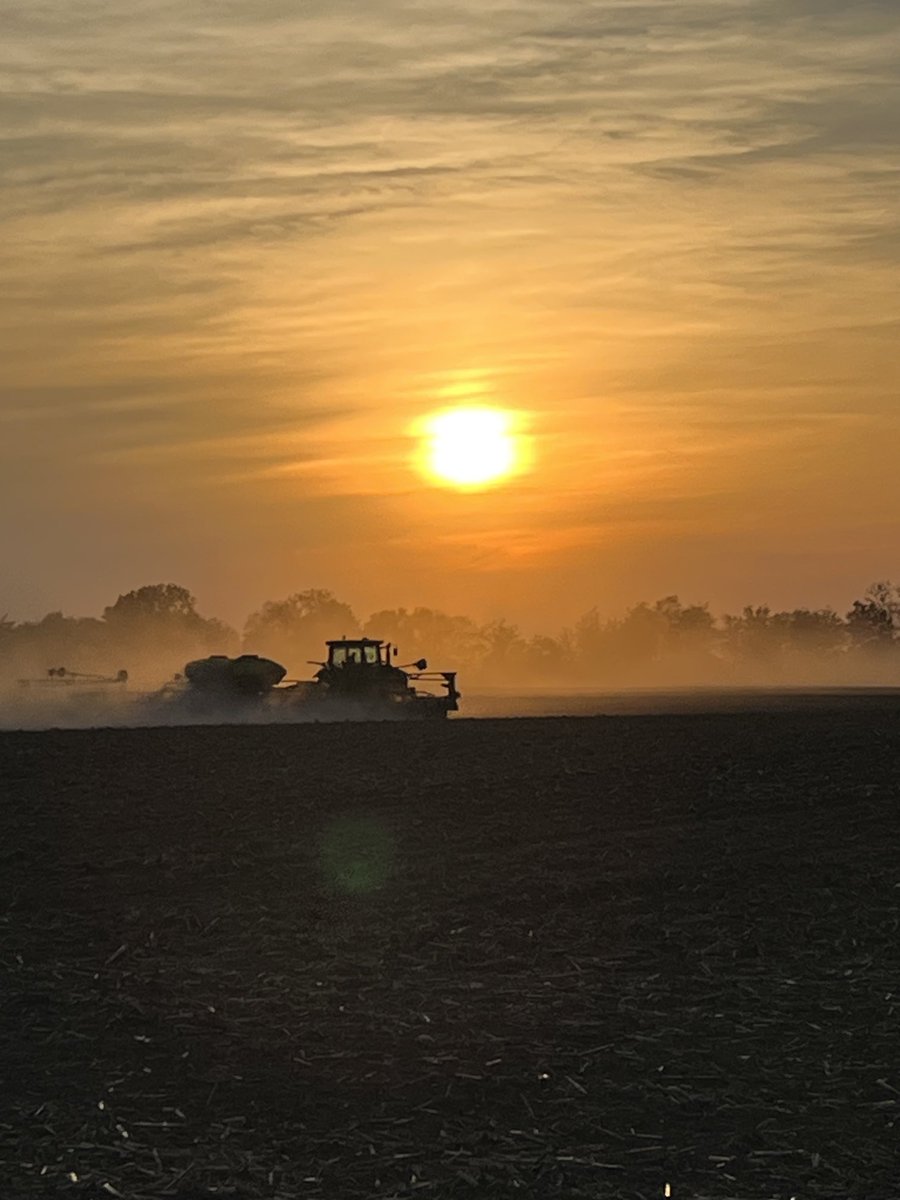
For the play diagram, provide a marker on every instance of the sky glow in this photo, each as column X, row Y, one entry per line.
column 246, row 248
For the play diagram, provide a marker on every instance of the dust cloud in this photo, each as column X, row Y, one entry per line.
column 40, row 709
column 34, row 709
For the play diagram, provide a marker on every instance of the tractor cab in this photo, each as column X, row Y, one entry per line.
column 359, row 652
column 361, row 667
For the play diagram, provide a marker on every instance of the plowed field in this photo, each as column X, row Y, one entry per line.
column 553, row 958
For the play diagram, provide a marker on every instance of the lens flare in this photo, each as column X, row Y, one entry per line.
column 470, row 448
column 356, row 854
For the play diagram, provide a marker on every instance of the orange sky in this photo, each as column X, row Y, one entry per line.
column 245, row 251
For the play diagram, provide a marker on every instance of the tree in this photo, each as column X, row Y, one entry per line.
column 156, row 602
column 447, row 642
column 155, row 629
column 666, row 641
column 297, row 627
column 874, row 620
column 588, row 646
column 78, row 643
column 638, row 640
column 753, row 641
column 547, row 659
column 814, row 631
column 505, row 650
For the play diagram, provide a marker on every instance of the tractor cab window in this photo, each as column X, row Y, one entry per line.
column 354, row 654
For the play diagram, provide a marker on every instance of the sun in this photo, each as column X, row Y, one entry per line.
column 470, row 448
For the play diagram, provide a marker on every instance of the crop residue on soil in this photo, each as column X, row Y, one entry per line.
column 551, row 958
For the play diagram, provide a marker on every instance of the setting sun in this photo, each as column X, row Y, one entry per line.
column 470, row 447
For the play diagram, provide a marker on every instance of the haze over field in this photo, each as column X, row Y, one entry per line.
column 151, row 633
column 247, row 250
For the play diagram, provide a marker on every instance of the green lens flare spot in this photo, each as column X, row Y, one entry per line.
column 357, row 854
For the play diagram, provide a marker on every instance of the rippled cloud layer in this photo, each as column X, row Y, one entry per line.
column 245, row 246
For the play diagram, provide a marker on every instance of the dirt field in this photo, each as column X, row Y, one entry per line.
column 563, row 958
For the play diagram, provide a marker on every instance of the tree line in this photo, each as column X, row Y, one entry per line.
column 154, row 630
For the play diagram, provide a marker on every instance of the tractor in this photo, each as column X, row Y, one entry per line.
column 359, row 674
column 357, row 681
